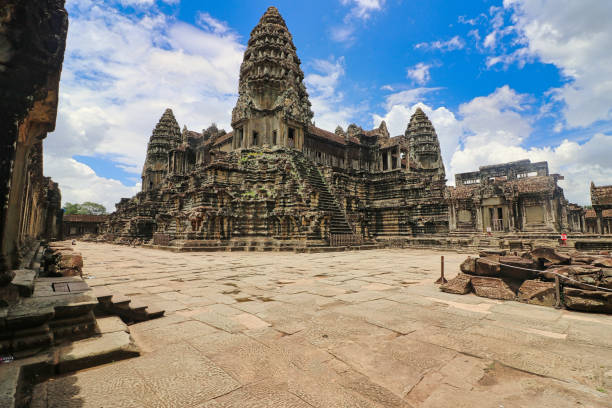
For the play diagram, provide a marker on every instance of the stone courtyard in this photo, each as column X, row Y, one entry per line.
column 342, row 329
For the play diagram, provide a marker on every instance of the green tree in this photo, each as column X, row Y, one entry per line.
column 92, row 208
column 86, row 208
column 70, row 208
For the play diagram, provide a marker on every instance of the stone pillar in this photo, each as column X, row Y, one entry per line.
column 398, row 162
column 388, row 159
column 599, row 222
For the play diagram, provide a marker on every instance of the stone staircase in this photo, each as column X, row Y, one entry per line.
column 111, row 342
column 51, row 329
column 109, row 304
column 49, row 311
column 339, row 225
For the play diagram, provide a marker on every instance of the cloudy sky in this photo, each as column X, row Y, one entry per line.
column 501, row 80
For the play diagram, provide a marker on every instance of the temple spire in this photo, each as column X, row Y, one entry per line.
column 271, row 85
column 165, row 137
column 424, row 144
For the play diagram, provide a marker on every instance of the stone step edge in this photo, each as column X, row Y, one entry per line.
column 119, row 305
column 20, row 377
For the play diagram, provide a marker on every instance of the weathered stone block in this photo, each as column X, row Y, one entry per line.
column 579, row 274
column 516, row 267
column 603, row 262
column 459, row 285
column 606, row 278
column 550, row 256
column 487, row 266
column 588, row 300
column 493, row 288
column 537, row 292
column 468, row 266
column 71, row 261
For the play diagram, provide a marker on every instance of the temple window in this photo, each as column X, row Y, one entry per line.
column 291, row 137
column 274, row 137
column 255, row 137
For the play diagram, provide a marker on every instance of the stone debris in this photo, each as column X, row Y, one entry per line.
column 494, row 288
column 537, row 292
column 460, row 285
column 530, row 276
column 61, row 260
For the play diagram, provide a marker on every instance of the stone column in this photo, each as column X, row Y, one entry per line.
column 599, row 222
column 398, row 162
column 389, row 159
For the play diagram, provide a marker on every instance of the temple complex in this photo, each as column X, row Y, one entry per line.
column 601, row 199
column 278, row 181
column 517, row 196
column 278, row 177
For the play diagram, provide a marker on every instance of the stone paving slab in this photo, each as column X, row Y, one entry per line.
column 350, row 329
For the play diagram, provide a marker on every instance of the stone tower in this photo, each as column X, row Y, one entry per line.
column 424, row 146
column 273, row 107
column 166, row 136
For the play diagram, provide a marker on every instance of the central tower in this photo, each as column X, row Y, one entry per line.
column 273, row 107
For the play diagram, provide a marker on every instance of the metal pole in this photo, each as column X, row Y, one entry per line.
column 442, row 278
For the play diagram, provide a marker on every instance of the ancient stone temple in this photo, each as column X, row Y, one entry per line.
column 32, row 42
column 512, row 197
column 601, row 199
column 277, row 178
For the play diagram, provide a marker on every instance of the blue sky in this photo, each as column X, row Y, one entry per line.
column 501, row 80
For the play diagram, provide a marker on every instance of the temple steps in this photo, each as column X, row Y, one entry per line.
column 122, row 306
column 110, row 342
column 58, row 310
column 326, row 201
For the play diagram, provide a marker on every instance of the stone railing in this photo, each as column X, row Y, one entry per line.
column 160, row 238
column 343, row 240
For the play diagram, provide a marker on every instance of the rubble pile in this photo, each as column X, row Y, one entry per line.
column 585, row 281
column 61, row 260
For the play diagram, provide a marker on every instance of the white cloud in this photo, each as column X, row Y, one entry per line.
column 575, row 37
column 140, row 3
column 419, row 73
column 79, row 183
column 360, row 10
column 208, row 22
column 363, row 8
column 455, row 43
column 121, row 72
column 494, row 129
column 326, row 98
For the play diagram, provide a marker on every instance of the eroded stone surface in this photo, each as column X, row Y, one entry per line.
column 277, row 342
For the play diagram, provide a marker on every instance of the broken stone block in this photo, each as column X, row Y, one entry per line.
column 537, row 292
column 494, row 288
column 579, row 274
column 487, row 266
column 588, row 300
column 71, row 261
column 606, row 278
column 550, row 256
column 578, row 257
column 468, row 266
column 459, row 285
column 516, row 267
column 603, row 262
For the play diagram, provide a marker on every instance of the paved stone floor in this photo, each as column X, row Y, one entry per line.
column 347, row 329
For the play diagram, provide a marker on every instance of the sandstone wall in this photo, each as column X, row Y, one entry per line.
column 32, row 44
